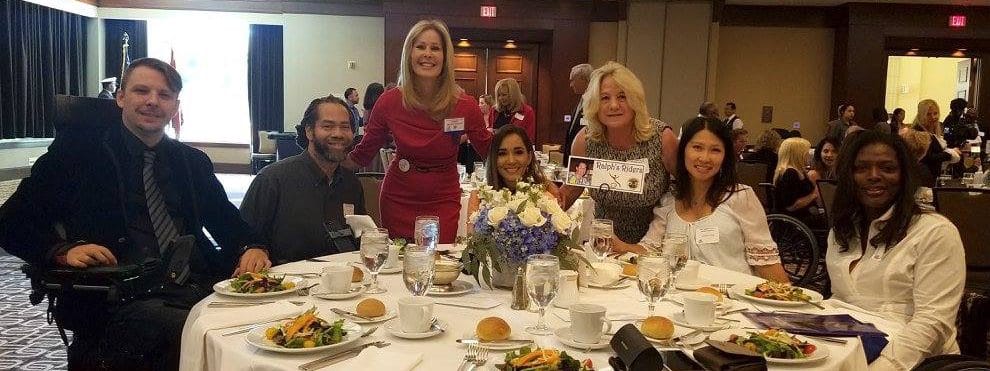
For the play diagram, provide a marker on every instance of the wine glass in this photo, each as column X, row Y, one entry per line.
column 374, row 253
column 654, row 278
column 675, row 248
column 417, row 269
column 601, row 237
column 542, row 282
column 426, row 231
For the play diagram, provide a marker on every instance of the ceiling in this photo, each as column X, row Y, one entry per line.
column 840, row 2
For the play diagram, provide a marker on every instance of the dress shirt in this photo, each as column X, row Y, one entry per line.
column 734, row 121
column 918, row 282
column 743, row 234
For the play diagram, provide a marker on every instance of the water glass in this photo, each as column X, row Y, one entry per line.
column 967, row 179
column 374, row 253
column 675, row 247
column 654, row 278
column 426, row 231
column 601, row 237
column 542, row 283
column 417, row 269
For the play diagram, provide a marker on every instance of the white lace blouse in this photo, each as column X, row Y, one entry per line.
column 735, row 236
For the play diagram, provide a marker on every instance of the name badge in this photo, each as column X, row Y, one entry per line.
column 454, row 124
column 519, row 116
column 584, row 121
column 706, row 236
column 348, row 209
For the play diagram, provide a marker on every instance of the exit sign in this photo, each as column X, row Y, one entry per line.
column 488, row 11
column 957, row 21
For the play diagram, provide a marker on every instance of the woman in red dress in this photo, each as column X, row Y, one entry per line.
column 512, row 108
column 426, row 115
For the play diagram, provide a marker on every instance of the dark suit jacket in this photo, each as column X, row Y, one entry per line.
column 572, row 131
column 105, row 94
column 76, row 193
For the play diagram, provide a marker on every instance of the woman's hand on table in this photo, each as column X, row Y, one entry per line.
column 620, row 247
column 253, row 260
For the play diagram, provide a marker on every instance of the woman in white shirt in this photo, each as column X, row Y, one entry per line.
column 911, row 268
column 723, row 221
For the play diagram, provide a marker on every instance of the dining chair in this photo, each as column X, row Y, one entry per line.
column 799, row 253
column 826, row 190
column 764, row 191
column 751, row 173
column 951, row 362
column 966, row 208
column 371, row 184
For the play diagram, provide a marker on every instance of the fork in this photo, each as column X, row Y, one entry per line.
column 481, row 358
column 723, row 288
column 471, row 356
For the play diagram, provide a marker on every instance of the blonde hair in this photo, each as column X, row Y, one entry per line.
column 919, row 117
column 516, row 99
column 447, row 91
column 793, row 154
column 769, row 140
column 635, row 98
column 489, row 100
column 917, row 142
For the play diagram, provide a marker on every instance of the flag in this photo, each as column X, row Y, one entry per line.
column 125, row 59
column 177, row 118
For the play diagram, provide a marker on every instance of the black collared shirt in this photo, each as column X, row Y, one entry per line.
column 291, row 205
column 139, row 227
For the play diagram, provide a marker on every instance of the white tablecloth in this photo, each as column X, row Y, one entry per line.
column 442, row 353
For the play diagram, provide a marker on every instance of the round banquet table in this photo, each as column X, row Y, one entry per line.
column 441, row 352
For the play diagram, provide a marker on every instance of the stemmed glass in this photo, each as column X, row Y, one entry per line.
column 601, row 237
column 675, row 248
column 417, row 269
column 426, row 231
column 374, row 253
column 654, row 278
column 542, row 282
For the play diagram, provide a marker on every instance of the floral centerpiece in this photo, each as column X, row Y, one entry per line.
column 511, row 226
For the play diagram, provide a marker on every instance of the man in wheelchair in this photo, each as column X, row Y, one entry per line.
column 111, row 224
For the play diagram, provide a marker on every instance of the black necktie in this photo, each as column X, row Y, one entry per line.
column 162, row 222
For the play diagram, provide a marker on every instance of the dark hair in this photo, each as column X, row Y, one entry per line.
column 817, row 164
column 533, row 171
column 725, row 182
column 371, row 94
column 794, row 133
column 172, row 77
column 704, row 107
column 879, row 115
column 730, row 104
column 312, row 113
column 106, row 85
column 347, row 93
column 850, row 214
column 957, row 104
column 842, row 108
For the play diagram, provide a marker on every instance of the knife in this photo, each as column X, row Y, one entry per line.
column 679, row 338
column 501, row 342
column 339, row 356
column 342, row 312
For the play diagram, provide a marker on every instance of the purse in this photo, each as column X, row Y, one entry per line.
column 726, row 356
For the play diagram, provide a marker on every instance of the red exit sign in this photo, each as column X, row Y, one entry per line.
column 957, row 21
column 488, row 11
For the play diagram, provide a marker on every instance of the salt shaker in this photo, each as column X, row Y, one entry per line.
column 520, row 299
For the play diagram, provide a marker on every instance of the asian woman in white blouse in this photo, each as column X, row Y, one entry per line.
column 723, row 221
column 911, row 266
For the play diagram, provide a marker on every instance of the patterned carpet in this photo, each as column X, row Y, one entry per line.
column 27, row 341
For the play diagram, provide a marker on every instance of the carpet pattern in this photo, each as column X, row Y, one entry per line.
column 27, row 341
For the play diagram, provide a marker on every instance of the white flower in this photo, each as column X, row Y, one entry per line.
column 514, row 204
column 549, row 204
column 474, row 217
column 496, row 214
column 532, row 217
column 561, row 222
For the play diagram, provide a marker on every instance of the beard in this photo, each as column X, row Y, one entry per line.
column 330, row 154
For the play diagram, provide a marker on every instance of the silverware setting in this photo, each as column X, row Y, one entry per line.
column 436, row 325
column 476, row 356
column 238, row 304
column 506, row 341
column 340, row 356
column 352, row 315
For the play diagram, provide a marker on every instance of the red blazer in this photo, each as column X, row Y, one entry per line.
column 528, row 121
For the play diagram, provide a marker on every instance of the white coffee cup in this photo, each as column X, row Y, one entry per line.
column 567, row 292
column 699, row 308
column 605, row 273
column 588, row 323
column 689, row 274
column 336, row 279
column 393, row 257
column 415, row 314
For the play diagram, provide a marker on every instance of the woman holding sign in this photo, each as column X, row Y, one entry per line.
column 426, row 114
column 620, row 129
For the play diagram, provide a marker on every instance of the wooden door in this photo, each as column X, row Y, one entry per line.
column 471, row 70
column 519, row 64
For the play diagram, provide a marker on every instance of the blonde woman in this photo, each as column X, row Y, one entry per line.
column 794, row 192
column 511, row 108
column 938, row 153
column 766, row 152
column 620, row 129
column 426, row 114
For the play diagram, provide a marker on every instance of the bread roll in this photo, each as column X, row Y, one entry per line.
column 371, row 308
column 658, row 327
column 493, row 329
column 358, row 275
column 711, row 290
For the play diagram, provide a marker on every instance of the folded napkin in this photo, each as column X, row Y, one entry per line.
column 873, row 345
column 394, row 357
column 359, row 223
column 194, row 341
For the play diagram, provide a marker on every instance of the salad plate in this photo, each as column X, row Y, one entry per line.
column 321, row 334
column 778, row 294
column 777, row 346
column 269, row 284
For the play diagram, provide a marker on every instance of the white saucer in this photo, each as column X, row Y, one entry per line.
column 393, row 328
column 393, row 270
column 564, row 335
column 624, row 284
column 457, row 287
column 391, row 313
column 695, row 284
column 332, row 296
column 678, row 318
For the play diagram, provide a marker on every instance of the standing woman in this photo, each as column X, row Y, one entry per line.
column 511, row 108
column 426, row 114
column 890, row 257
column 938, row 153
column 486, row 103
column 620, row 129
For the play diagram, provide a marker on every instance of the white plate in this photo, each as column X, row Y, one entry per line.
column 457, row 287
column 680, row 331
column 821, row 351
column 357, row 290
column 393, row 328
column 393, row 270
column 624, row 284
column 678, row 318
column 257, row 338
column 692, row 285
column 223, row 288
column 391, row 313
column 739, row 291
column 564, row 336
